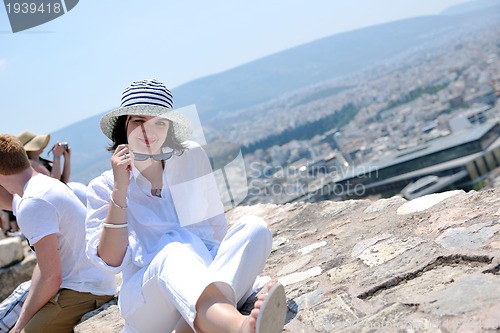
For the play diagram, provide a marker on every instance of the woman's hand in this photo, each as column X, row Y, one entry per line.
column 121, row 163
column 66, row 171
column 113, row 242
column 67, row 151
column 58, row 149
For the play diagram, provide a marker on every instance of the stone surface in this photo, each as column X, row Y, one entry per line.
column 425, row 202
column 295, row 265
column 300, row 276
column 367, row 243
column 472, row 237
column 11, row 251
column 430, row 270
column 383, row 204
column 312, row 247
column 386, row 250
column 106, row 319
column 344, row 273
column 12, row 276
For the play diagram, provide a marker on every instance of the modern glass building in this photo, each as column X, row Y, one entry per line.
column 459, row 161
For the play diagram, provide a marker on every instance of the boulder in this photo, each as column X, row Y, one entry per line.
column 14, row 275
column 11, row 251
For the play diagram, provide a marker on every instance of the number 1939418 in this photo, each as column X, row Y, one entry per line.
column 32, row 8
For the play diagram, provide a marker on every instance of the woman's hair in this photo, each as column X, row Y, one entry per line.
column 31, row 155
column 119, row 135
column 13, row 157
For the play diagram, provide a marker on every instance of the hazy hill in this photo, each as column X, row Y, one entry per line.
column 330, row 57
column 88, row 148
column 470, row 6
column 286, row 71
column 320, row 60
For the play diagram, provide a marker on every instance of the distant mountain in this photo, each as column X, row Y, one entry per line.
column 470, row 7
column 301, row 66
column 267, row 78
column 320, row 60
column 89, row 156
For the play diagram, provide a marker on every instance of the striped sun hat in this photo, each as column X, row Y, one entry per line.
column 148, row 98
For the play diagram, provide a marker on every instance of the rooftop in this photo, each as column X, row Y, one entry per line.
column 453, row 140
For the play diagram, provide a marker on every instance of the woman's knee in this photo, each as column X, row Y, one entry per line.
column 183, row 256
column 174, row 251
column 256, row 229
column 256, row 224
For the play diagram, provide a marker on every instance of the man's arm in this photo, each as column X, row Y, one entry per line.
column 45, row 281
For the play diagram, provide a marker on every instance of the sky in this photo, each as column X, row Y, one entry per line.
column 77, row 65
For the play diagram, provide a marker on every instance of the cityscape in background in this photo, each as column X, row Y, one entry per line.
column 397, row 107
column 404, row 108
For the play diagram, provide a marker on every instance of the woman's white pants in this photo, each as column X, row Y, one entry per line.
column 180, row 272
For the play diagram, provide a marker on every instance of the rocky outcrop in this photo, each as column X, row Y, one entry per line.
column 428, row 265
column 106, row 319
column 11, row 251
column 17, row 262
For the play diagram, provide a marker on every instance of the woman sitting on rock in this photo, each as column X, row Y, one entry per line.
column 157, row 218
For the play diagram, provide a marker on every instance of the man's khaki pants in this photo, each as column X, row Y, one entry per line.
column 64, row 311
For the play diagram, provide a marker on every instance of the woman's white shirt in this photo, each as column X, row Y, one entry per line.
column 191, row 200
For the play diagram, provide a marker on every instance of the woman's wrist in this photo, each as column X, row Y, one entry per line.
column 118, row 198
column 117, row 205
column 115, row 225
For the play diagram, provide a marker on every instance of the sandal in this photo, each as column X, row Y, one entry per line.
column 272, row 314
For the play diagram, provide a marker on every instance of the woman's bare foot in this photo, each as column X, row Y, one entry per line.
column 217, row 314
column 250, row 323
column 274, row 308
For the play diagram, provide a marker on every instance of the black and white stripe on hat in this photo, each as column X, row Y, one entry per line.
column 150, row 92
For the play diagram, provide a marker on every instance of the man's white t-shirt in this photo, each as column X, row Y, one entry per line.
column 48, row 206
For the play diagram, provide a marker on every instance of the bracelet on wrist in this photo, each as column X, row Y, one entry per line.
column 115, row 226
column 117, row 205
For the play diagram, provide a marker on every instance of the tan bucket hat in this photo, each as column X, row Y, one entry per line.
column 33, row 142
